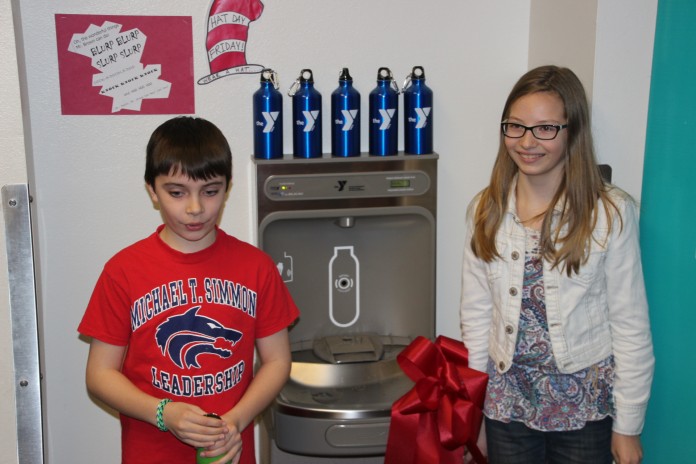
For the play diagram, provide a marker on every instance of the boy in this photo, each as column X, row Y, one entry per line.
column 174, row 318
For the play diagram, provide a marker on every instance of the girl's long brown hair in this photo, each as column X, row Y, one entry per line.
column 579, row 191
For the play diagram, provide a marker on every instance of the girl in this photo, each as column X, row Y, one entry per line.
column 553, row 301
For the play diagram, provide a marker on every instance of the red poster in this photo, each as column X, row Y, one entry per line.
column 125, row 64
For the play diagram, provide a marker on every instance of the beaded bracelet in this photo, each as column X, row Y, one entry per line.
column 160, row 419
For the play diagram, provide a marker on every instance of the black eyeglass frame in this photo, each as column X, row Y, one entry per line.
column 558, row 127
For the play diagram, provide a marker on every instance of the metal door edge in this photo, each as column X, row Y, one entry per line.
column 24, row 320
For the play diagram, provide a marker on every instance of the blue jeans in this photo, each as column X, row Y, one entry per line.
column 515, row 443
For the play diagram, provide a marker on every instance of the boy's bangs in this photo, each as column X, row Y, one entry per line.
column 194, row 165
column 193, row 158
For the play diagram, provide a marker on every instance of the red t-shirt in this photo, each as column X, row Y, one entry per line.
column 190, row 322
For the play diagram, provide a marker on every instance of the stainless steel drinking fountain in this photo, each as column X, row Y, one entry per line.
column 354, row 239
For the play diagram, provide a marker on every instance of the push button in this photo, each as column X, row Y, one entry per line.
column 357, row 435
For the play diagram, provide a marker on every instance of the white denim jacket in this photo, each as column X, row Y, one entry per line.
column 600, row 311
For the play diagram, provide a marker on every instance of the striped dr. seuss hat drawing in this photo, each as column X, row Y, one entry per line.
column 228, row 30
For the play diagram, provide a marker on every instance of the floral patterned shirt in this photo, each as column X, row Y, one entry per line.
column 533, row 391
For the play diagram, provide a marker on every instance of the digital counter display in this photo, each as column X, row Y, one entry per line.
column 399, row 183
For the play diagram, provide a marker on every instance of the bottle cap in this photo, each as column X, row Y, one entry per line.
column 306, row 76
column 344, row 75
column 269, row 75
column 384, row 74
column 418, row 72
column 266, row 74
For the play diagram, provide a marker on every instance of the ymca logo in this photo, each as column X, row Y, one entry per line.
column 270, row 119
column 422, row 114
column 186, row 336
column 311, row 119
column 348, row 119
column 387, row 116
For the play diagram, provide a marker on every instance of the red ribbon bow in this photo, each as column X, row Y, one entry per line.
column 433, row 421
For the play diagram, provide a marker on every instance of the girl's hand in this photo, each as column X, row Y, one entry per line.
column 189, row 424
column 626, row 449
column 482, row 446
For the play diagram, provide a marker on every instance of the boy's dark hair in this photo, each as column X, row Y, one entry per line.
column 190, row 146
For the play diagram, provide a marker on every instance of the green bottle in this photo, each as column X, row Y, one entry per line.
column 203, row 459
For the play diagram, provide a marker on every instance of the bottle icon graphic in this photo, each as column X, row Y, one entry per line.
column 344, row 287
column 285, row 268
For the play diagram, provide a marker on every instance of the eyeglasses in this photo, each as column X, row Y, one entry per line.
column 541, row 132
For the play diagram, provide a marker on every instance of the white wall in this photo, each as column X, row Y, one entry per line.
column 88, row 169
column 623, row 64
column 562, row 32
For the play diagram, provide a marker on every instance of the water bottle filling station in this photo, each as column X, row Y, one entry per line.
column 354, row 240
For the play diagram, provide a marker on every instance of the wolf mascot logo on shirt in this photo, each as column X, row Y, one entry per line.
column 188, row 335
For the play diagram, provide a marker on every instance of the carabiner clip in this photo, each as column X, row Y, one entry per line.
column 274, row 80
column 407, row 82
column 293, row 88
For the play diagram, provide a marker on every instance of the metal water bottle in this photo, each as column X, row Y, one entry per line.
column 306, row 117
column 384, row 115
column 418, row 114
column 268, row 118
column 345, row 117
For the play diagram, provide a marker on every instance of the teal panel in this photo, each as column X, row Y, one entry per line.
column 668, row 234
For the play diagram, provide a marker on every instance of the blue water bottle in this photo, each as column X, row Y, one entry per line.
column 418, row 114
column 345, row 117
column 268, row 118
column 384, row 115
column 306, row 117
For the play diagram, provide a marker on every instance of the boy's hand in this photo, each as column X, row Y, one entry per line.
column 229, row 449
column 189, row 424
